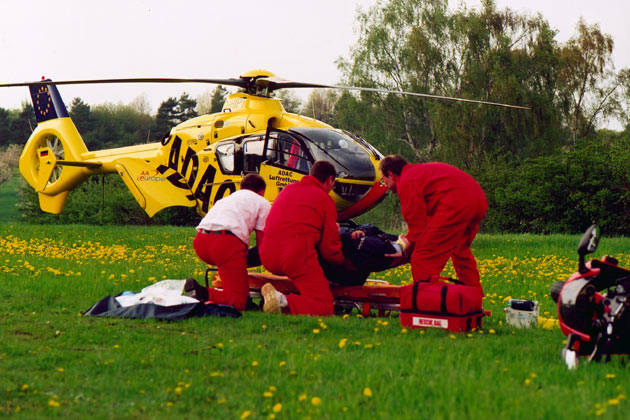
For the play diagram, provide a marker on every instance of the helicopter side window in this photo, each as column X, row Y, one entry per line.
column 225, row 156
column 289, row 152
column 253, row 154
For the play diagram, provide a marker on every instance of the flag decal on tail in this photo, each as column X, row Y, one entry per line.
column 47, row 102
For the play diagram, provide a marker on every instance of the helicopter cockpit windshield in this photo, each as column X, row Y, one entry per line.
column 350, row 159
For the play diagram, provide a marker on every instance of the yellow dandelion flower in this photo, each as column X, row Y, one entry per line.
column 254, row 363
column 491, row 331
column 246, row 414
column 403, row 331
column 53, row 403
column 315, row 330
column 282, row 363
column 610, row 376
column 268, row 394
column 24, row 387
column 527, row 382
column 342, row 343
column 302, row 397
column 277, row 408
column 316, row 401
column 613, row 401
column 367, row 392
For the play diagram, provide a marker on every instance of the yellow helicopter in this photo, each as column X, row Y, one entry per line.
column 203, row 159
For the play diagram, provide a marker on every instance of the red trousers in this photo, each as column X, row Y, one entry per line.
column 229, row 254
column 449, row 233
column 297, row 259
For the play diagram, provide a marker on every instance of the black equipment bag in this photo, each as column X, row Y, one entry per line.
column 108, row 307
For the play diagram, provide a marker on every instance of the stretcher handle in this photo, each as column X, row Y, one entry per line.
column 209, row 269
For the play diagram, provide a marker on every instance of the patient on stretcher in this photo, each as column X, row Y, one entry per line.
column 370, row 250
column 366, row 246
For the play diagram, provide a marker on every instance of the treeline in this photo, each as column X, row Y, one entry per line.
column 552, row 168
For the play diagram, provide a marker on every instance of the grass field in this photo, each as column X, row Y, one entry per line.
column 8, row 199
column 56, row 363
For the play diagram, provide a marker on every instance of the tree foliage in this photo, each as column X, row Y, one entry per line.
column 174, row 111
column 290, row 101
column 490, row 55
column 589, row 83
column 321, row 105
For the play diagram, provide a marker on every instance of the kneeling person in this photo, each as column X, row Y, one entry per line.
column 223, row 238
column 302, row 226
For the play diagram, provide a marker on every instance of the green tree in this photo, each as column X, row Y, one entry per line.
column 117, row 125
column 186, row 108
column 218, row 98
column 166, row 117
column 290, row 101
column 80, row 114
column 5, row 123
column 23, row 125
column 172, row 112
column 589, row 83
column 499, row 56
column 321, row 105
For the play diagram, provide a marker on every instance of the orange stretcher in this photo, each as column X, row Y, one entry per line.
column 375, row 295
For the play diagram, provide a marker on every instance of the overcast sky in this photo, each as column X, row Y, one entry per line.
column 297, row 40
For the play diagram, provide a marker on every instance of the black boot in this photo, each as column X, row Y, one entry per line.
column 195, row 290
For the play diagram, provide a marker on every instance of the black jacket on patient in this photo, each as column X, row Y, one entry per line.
column 367, row 253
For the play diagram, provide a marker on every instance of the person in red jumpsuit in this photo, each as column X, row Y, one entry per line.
column 223, row 238
column 302, row 225
column 443, row 207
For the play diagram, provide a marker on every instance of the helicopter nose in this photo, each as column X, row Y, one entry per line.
column 375, row 195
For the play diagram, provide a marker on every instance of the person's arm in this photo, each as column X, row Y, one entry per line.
column 259, row 236
column 330, row 243
column 357, row 234
column 414, row 210
column 406, row 251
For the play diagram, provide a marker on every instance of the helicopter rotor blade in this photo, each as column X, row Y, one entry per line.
column 269, row 83
column 231, row 82
column 427, row 95
column 273, row 83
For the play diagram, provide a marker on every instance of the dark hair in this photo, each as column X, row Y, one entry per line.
column 253, row 182
column 322, row 170
column 392, row 164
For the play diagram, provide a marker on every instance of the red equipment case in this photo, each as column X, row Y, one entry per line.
column 437, row 304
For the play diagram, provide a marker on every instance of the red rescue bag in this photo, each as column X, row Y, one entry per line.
column 437, row 304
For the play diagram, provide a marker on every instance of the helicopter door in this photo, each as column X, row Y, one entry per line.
column 289, row 152
column 287, row 162
column 253, row 153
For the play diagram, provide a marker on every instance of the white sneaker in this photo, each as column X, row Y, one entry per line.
column 273, row 299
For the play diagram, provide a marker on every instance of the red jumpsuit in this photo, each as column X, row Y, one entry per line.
column 229, row 254
column 443, row 207
column 301, row 222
